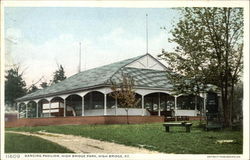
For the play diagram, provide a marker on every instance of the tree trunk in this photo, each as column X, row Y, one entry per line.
column 225, row 109
column 232, row 103
column 226, row 71
column 196, row 105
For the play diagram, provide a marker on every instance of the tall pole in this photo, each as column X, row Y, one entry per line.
column 146, row 33
column 79, row 69
column 84, row 57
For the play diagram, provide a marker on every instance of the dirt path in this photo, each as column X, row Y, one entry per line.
column 79, row 144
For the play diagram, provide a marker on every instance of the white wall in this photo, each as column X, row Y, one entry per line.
column 186, row 112
column 119, row 111
column 132, row 111
column 147, row 62
column 53, row 105
column 94, row 112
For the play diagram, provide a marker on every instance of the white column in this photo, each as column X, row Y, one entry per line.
column 142, row 105
column 175, row 102
column 175, row 107
column 116, row 105
column 83, row 106
column 91, row 99
column 36, row 109
column 49, row 109
column 195, row 102
column 204, row 105
column 105, row 104
column 64, row 106
column 159, row 104
column 26, row 104
column 18, row 116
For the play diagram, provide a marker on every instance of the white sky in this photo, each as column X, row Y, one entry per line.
column 39, row 38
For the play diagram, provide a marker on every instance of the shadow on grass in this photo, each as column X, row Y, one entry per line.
column 16, row 143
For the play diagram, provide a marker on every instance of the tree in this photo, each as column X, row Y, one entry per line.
column 209, row 51
column 59, row 75
column 14, row 85
column 32, row 88
column 238, row 102
column 44, row 85
column 123, row 91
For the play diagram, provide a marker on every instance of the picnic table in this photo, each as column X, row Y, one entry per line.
column 180, row 124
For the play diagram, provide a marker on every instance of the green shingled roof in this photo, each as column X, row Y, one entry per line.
column 146, row 78
column 100, row 76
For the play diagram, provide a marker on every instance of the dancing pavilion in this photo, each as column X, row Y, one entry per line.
column 88, row 93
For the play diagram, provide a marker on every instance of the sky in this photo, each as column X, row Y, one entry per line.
column 40, row 38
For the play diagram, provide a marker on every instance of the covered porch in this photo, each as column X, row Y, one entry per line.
column 99, row 102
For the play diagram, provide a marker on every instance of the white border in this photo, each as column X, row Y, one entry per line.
column 132, row 4
column 2, row 56
column 246, row 120
column 142, row 4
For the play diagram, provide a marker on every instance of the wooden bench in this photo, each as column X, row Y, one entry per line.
column 213, row 126
column 182, row 124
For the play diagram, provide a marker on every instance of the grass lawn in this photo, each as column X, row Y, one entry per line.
column 154, row 137
column 16, row 143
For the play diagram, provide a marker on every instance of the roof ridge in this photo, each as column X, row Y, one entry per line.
column 135, row 58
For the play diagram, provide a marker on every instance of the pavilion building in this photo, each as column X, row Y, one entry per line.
column 88, row 93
